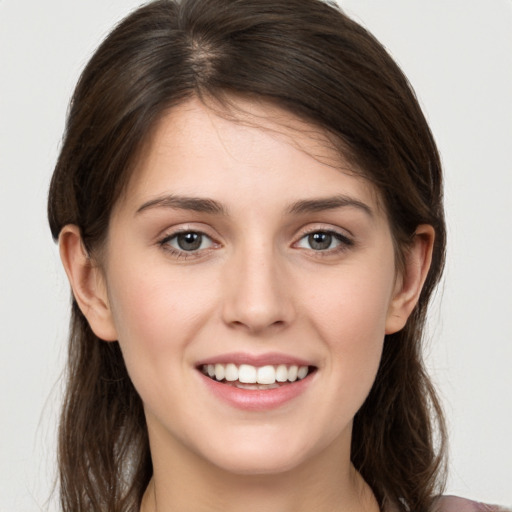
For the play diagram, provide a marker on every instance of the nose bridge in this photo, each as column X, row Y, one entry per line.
column 257, row 298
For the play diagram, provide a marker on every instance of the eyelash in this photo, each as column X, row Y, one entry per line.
column 344, row 243
column 182, row 253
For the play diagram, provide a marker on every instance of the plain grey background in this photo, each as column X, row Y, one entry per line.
column 458, row 56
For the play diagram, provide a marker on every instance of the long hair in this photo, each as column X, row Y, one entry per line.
column 310, row 59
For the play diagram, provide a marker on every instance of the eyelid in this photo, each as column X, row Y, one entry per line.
column 345, row 241
column 325, row 228
column 186, row 227
column 173, row 232
column 173, row 236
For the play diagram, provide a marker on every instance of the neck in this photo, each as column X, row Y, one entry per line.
column 256, row 496
column 190, row 484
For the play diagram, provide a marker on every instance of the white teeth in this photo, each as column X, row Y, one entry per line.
column 255, row 386
column 220, row 371
column 231, row 372
column 292, row 373
column 266, row 375
column 247, row 374
column 281, row 373
column 302, row 372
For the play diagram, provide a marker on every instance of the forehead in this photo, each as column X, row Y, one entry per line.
column 238, row 144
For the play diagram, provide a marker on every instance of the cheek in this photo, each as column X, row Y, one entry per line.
column 156, row 317
column 350, row 316
column 355, row 302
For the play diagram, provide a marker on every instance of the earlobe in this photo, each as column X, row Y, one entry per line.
column 87, row 283
column 418, row 258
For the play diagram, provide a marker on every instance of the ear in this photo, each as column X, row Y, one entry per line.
column 87, row 283
column 418, row 258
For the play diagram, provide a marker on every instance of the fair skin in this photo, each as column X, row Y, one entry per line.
column 244, row 243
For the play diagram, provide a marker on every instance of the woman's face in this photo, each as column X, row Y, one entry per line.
column 252, row 251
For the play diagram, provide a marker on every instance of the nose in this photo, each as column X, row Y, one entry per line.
column 258, row 293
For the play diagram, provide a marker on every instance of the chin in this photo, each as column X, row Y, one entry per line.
column 262, row 455
column 260, row 465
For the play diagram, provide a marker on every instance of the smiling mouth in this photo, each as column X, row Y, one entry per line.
column 246, row 376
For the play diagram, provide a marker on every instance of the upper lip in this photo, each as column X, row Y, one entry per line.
column 270, row 358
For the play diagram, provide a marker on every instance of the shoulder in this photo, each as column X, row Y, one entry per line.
column 455, row 504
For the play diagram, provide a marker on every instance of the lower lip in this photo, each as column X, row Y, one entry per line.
column 257, row 399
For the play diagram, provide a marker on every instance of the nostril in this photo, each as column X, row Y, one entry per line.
column 256, row 327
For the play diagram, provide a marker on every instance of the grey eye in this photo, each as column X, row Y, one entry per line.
column 189, row 241
column 320, row 241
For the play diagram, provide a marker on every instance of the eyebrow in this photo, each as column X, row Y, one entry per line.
column 195, row 204
column 202, row 205
column 328, row 203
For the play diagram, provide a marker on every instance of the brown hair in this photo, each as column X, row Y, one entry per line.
column 310, row 59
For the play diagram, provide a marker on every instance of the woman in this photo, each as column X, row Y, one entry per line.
column 248, row 204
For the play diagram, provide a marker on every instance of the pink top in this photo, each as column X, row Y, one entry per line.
column 454, row 504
